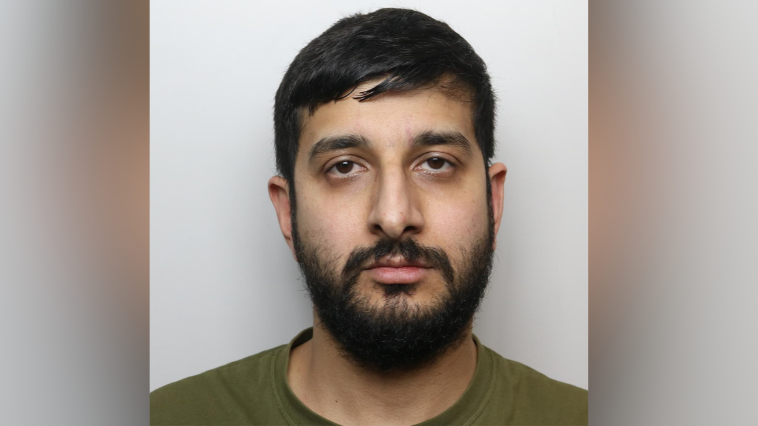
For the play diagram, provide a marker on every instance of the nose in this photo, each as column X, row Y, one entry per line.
column 395, row 211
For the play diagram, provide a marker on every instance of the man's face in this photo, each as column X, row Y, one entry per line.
column 392, row 225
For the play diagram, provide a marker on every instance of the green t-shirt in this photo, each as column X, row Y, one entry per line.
column 254, row 391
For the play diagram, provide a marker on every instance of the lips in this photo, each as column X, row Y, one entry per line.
column 398, row 271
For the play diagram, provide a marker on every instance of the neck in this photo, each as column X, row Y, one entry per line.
column 343, row 392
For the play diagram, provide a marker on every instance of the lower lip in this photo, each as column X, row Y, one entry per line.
column 401, row 275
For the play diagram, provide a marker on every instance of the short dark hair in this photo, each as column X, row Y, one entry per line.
column 407, row 47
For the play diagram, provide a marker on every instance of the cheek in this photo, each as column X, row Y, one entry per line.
column 329, row 221
column 454, row 222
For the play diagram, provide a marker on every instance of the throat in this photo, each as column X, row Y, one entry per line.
column 332, row 386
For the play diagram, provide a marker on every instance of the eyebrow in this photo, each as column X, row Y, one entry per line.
column 335, row 143
column 428, row 138
column 454, row 139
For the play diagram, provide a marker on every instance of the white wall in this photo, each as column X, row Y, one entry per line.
column 223, row 283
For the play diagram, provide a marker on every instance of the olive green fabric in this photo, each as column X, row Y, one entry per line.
column 254, row 391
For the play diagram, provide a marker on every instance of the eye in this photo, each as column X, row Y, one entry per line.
column 437, row 164
column 344, row 168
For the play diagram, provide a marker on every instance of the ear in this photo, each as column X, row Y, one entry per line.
column 497, row 179
column 278, row 191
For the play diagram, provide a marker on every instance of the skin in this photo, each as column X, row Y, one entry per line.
column 390, row 190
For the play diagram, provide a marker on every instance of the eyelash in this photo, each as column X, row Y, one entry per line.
column 333, row 167
column 447, row 164
column 339, row 174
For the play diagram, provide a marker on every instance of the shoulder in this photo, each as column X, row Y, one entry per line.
column 538, row 399
column 233, row 393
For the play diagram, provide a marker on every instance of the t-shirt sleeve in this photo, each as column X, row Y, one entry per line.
column 540, row 400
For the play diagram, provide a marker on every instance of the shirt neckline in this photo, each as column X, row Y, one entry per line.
column 463, row 412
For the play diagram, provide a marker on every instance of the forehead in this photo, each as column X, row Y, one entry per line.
column 389, row 120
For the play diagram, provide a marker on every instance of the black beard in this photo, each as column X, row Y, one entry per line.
column 397, row 336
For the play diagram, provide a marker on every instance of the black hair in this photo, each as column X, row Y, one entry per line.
column 407, row 47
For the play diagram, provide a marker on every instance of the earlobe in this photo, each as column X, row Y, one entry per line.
column 278, row 191
column 497, row 174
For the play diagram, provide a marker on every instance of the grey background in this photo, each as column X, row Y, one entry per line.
column 223, row 282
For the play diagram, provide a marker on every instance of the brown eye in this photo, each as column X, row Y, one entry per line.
column 344, row 167
column 436, row 163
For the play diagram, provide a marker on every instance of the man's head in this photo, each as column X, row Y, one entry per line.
column 384, row 134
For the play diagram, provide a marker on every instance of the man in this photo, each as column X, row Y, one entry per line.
column 386, row 196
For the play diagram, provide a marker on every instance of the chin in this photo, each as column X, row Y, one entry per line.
column 417, row 295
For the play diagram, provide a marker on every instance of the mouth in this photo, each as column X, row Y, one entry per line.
column 398, row 271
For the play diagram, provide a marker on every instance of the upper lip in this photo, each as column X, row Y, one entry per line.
column 396, row 262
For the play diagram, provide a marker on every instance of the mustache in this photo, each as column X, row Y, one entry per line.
column 410, row 249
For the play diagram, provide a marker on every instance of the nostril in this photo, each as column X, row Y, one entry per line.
column 410, row 229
